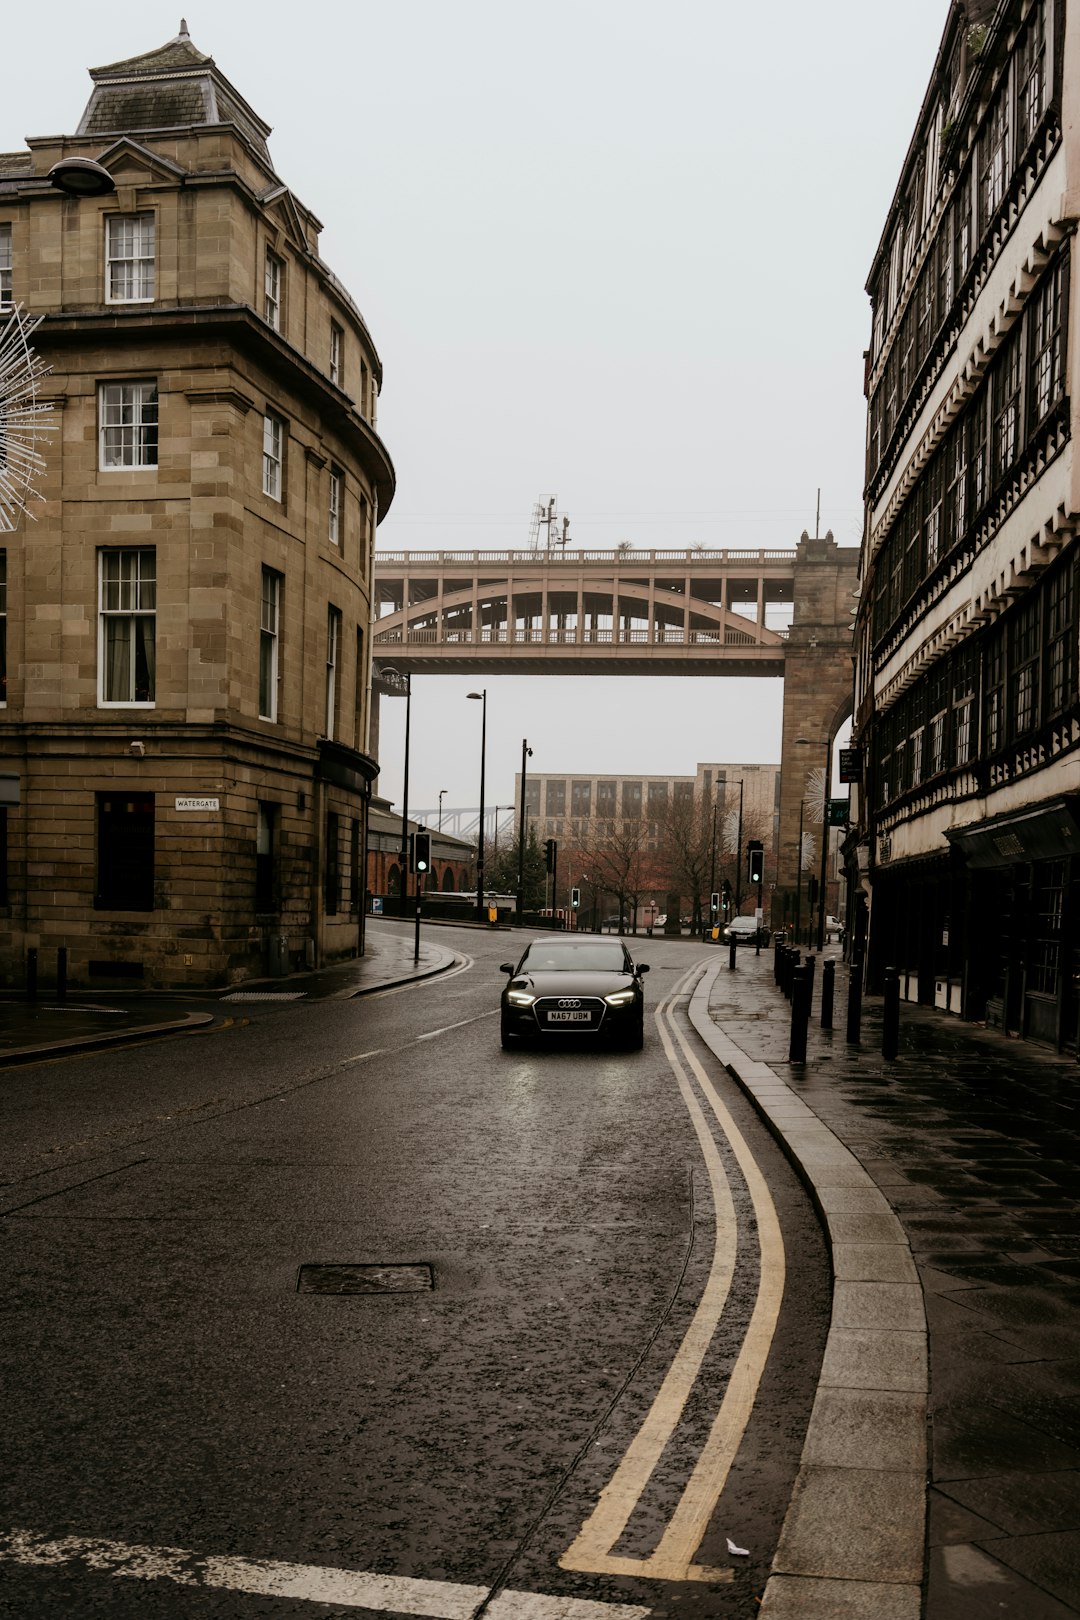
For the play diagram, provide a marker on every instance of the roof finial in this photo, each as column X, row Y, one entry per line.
column 183, row 34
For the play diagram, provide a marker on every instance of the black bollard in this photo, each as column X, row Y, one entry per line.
column 61, row 972
column 31, row 974
column 731, row 956
column 828, row 976
column 800, row 1013
column 890, row 1013
column 854, row 1000
column 790, row 969
column 776, row 949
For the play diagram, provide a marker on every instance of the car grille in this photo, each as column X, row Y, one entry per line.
column 567, row 1015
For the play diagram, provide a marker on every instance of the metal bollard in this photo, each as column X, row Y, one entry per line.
column 800, row 1013
column 890, row 1013
column 776, row 949
column 31, row 974
column 854, row 1001
column 828, row 976
column 790, row 969
column 731, row 957
column 61, row 972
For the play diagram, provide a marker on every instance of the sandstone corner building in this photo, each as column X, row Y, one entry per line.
column 186, row 660
column 967, row 712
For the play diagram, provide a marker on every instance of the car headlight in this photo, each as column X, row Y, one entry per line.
column 520, row 998
column 619, row 998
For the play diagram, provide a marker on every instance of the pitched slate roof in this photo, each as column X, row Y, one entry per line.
column 172, row 86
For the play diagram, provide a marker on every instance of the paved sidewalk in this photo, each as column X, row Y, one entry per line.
column 85, row 1019
column 948, row 1183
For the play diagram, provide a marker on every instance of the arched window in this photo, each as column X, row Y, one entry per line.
column 393, row 880
column 448, row 882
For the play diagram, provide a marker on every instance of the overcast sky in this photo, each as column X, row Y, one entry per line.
column 607, row 250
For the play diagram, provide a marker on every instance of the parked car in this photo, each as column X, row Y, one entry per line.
column 834, row 930
column 615, row 921
column 562, row 987
column 745, row 931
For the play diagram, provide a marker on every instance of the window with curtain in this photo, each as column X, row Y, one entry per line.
column 127, row 609
column 128, row 425
column 269, row 635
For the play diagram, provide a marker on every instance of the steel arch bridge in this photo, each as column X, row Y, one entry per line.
column 695, row 611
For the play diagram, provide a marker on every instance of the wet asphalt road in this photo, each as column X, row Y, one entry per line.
column 168, row 1386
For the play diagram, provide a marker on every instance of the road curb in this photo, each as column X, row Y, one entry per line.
column 853, row 1539
column 121, row 1037
column 450, row 960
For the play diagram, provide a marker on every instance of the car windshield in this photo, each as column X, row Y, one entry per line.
column 564, row 958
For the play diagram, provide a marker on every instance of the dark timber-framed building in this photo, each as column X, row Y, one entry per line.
column 967, row 715
column 188, row 652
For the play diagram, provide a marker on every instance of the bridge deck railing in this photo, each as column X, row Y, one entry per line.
column 690, row 554
column 500, row 637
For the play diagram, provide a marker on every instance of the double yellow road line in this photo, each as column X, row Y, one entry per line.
column 673, row 1558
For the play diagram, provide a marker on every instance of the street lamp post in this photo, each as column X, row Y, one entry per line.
column 739, row 854
column 526, row 754
column 798, row 878
column 712, row 864
column 824, row 845
column 442, row 792
column 481, row 697
column 804, row 742
column 407, row 678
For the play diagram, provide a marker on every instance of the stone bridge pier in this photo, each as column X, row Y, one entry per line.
column 818, row 696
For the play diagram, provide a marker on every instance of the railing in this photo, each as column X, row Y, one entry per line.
column 535, row 636
column 691, row 554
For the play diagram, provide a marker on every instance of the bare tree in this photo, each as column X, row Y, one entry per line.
column 686, row 833
column 618, row 859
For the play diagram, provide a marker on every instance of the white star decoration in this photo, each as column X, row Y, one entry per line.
column 22, row 418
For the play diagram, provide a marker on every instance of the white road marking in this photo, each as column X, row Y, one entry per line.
column 673, row 1557
column 308, row 1583
column 462, row 1022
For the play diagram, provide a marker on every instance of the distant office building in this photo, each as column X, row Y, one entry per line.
column 576, row 808
column 186, row 658
column 967, row 698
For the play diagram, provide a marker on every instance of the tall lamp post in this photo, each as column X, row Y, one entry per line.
column 824, row 845
column 712, row 864
column 388, row 669
column 526, row 754
column 481, row 915
column 798, row 876
column 804, row 742
column 442, row 792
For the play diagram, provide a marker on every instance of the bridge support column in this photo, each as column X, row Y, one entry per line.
column 818, row 696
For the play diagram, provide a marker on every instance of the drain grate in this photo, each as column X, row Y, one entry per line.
column 408, row 1279
column 265, row 995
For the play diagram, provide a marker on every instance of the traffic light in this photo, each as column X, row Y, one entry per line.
column 550, row 850
column 755, row 852
column 725, row 897
column 714, row 902
column 575, row 898
column 421, row 852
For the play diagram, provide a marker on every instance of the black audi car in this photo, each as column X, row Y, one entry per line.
column 585, row 986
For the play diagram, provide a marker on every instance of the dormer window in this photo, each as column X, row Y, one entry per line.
column 129, row 259
column 275, row 274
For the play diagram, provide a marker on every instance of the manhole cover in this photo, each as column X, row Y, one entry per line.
column 411, row 1279
column 265, row 995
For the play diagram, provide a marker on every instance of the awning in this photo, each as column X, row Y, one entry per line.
column 1042, row 832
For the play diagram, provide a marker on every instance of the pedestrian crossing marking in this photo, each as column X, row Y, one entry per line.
column 309, row 1583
